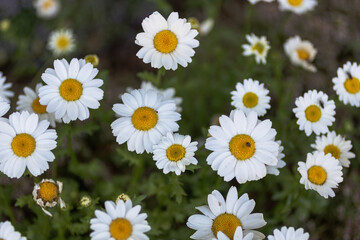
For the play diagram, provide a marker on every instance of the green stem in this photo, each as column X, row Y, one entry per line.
column 292, row 203
column 249, row 13
column 54, row 170
column 159, row 75
column 7, row 205
column 136, row 173
column 74, row 160
column 218, row 182
column 242, row 189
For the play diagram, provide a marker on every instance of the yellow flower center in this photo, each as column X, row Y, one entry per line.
column 37, row 107
column 144, row 118
column 317, row 175
column 259, row 47
column 47, row 4
column 23, row 145
column 48, row 191
column 71, row 89
column 93, row 59
column 295, row 3
column 242, row 146
column 62, row 42
column 165, row 41
column 333, row 150
column 250, row 100
column 120, row 229
column 352, row 85
column 175, row 152
column 313, row 113
column 227, row 224
column 303, row 54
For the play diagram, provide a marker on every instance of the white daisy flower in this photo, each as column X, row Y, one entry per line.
column 71, row 89
column 315, row 112
column 301, row 52
column 47, row 8
column 25, row 142
column 226, row 219
column 321, row 173
column 256, row 1
column 336, row 145
column 174, row 152
column 61, row 41
column 144, row 117
column 347, row 84
column 206, row 26
column 47, row 194
column 242, row 147
column 168, row 93
column 274, row 170
column 4, row 108
column 166, row 43
column 119, row 221
column 297, row 6
column 7, row 232
column 251, row 96
column 30, row 102
column 289, row 233
column 258, row 46
column 4, row 92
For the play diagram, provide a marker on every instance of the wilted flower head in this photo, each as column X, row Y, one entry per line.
column 47, row 194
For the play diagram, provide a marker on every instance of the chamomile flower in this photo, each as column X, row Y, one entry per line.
column 174, row 152
column 206, row 26
column 289, row 233
column 251, row 96
column 321, row 173
column 144, row 117
column 25, row 142
column 257, row 46
column 61, row 41
column 297, row 6
column 47, row 8
column 168, row 93
column 336, row 145
column 71, row 90
column 7, row 232
column 4, row 108
column 225, row 219
column 30, row 102
column 47, row 194
column 5, row 93
column 301, row 52
column 242, row 147
column 347, row 84
column 119, row 221
column 166, row 43
column 315, row 112
column 274, row 170
column 256, row 1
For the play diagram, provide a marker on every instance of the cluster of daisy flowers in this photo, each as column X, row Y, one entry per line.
column 296, row 6
column 243, row 146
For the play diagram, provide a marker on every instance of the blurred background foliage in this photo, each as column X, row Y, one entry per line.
column 97, row 167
